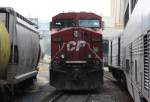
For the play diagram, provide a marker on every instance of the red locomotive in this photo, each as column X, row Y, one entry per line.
column 76, row 51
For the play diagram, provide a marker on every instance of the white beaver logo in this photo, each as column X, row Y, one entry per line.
column 72, row 45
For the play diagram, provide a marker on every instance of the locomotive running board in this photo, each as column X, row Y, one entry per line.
column 76, row 62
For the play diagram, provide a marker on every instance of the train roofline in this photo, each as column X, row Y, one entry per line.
column 76, row 15
column 13, row 12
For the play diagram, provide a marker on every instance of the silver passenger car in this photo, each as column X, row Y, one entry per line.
column 136, row 49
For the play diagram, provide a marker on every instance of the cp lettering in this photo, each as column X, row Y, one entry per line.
column 72, row 45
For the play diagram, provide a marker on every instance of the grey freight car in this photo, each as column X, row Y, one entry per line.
column 136, row 49
column 25, row 49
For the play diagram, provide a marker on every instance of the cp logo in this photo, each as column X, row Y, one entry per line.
column 72, row 45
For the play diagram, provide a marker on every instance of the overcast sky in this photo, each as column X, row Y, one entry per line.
column 45, row 9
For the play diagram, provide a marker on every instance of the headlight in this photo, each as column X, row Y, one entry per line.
column 62, row 56
column 55, row 63
column 96, row 49
column 76, row 34
column 89, row 56
column 97, row 62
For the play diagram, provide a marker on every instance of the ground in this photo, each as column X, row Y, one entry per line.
column 41, row 91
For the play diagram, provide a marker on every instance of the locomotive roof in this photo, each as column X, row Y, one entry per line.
column 76, row 15
column 12, row 11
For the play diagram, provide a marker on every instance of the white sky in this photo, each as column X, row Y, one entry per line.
column 45, row 9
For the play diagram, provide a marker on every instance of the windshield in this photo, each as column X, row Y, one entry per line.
column 89, row 23
column 64, row 23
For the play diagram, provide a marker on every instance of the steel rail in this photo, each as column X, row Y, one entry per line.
column 87, row 98
column 107, row 76
column 55, row 97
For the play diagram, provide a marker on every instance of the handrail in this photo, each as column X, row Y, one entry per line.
column 94, row 52
column 59, row 51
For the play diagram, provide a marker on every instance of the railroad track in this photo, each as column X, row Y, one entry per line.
column 58, row 97
column 52, row 96
column 87, row 98
column 108, row 75
column 55, row 96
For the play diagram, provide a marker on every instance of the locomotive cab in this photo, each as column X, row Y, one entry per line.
column 76, row 51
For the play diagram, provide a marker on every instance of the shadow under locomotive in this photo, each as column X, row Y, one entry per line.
column 77, row 76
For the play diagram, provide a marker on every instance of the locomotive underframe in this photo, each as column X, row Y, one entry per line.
column 77, row 77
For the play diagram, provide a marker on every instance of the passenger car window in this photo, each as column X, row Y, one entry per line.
column 127, row 65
